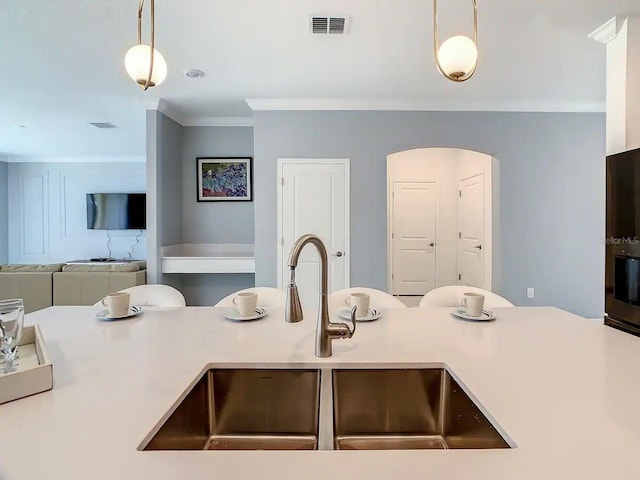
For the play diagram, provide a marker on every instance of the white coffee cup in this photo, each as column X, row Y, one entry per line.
column 473, row 303
column 118, row 303
column 246, row 303
column 360, row 301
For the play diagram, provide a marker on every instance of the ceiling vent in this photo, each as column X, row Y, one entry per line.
column 103, row 125
column 329, row 24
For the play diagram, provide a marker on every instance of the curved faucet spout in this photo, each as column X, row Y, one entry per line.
column 302, row 242
column 325, row 330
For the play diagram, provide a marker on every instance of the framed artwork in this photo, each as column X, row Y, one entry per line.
column 225, row 179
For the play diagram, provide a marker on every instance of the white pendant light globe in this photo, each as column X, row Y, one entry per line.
column 136, row 62
column 458, row 57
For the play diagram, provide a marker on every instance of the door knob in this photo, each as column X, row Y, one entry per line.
column 337, row 254
column 479, row 247
column 432, row 244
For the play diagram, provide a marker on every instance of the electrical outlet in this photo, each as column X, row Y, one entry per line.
column 531, row 292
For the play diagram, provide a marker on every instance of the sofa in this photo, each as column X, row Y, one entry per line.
column 32, row 283
column 41, row 286
column 86, row 284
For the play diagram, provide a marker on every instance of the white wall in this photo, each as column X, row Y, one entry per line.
column 633, row 81
column 623, row 94
column 447, row 166
column 4, row 212
column 617, row 92
column 47, row 210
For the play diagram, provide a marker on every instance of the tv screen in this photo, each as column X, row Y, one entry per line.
column 116, row 211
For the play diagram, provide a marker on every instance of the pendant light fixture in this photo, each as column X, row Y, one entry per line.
column 144, row 63
column 457, row 57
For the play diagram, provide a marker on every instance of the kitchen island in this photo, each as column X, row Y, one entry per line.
column 564, row 389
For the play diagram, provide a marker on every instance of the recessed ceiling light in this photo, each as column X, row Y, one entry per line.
column 193, row 73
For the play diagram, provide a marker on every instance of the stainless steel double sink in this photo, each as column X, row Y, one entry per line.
column 341, row 409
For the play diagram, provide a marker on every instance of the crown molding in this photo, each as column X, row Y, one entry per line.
column 74, row 159
column 407, row 105
column 151, row 103
column 608, row 31
column 218, row 122
column 163, row 107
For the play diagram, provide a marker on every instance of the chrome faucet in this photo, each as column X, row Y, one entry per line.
column 325, row 330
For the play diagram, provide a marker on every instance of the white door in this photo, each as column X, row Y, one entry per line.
column 314, row 198
column 471, row 226
column 413, row 237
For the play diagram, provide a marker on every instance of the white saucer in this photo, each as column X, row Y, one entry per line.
column 372, row 315
column 486, row 316
column 234, row 316
column 133, row 311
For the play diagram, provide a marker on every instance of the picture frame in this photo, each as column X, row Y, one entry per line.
column 225, row 179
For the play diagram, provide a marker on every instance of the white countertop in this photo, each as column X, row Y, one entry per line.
column 564, row 388
column 208, row 258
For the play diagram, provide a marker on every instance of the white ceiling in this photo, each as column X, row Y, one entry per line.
column 62, row 62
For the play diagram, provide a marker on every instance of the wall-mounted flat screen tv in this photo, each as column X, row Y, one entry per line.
column 116, row 211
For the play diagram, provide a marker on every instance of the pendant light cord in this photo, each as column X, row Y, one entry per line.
column 147, row 82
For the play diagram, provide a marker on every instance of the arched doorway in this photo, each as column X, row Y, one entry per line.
column 443, row 220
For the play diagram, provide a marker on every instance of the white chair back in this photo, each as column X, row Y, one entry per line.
column 379, row 299
column 267, row 297
column 450, row 297
column 154, row 296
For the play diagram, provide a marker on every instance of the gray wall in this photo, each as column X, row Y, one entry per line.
column 164, row 185
column 207, row 289
column 171, row 171
column 552, row 186
column 4, row 213
column 214, row 222
column 170, row 200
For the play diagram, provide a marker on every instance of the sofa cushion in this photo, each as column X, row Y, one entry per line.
column 44, row 268
column 119, row 267
column 87, row 288
column 35, row 288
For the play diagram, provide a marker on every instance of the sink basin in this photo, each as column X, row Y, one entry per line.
column 400, row 409
column 244, row 409
column 310, row 409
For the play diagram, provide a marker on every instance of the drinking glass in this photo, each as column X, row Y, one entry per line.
column 11, row 319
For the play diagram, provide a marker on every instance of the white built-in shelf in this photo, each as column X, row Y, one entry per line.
column 208, row 258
